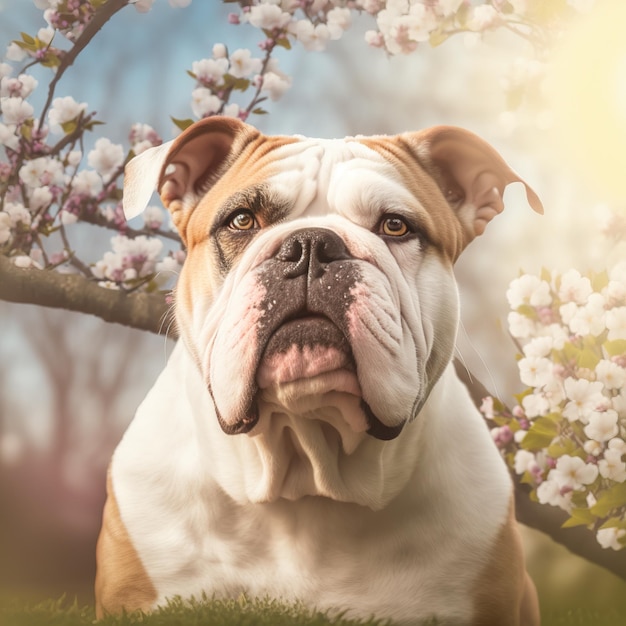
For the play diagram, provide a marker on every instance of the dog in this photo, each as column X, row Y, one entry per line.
column 309, row 439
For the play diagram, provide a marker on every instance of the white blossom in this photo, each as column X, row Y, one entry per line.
column 535, row 404
column 88, row 182
column 204, row 103
column 610, row 374
column 610, row 538
column 528, row 289
column 618, row 444
column 535, row 371
column 40, row 197
column 616, row 323
column 64, row 110
column 210, row 71
column 549, row 492
column 338, row 20
column 612, row 466
column 45, row 35
column 590, row 318
column 15, row 110
column 584, row 397
column 42, row 171
column 524, row 461
column 9, row 137
column 20, row 87
column 143, row 6
column 15, row 53
column 312, row 37
column 268, row 16
column 5, row 70
column 106, row 157
column 539, row 347
column 242, row 63
column 275, row 85
column 68, row 218
column 574, row 287
column 219, row 51
column 520, row 326
column 572, row 472
column 153, row 217
column 602, row 425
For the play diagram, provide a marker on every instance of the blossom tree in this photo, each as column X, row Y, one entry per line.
column 565, row 437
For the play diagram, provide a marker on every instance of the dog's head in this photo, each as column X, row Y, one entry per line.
column 319, row 272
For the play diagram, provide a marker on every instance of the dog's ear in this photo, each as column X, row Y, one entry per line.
column 470, row 173
column 183, row 169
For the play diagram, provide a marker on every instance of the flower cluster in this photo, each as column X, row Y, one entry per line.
column 218, row 77
column 566, row 435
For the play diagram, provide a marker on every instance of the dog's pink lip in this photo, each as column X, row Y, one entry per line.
column 303, row 348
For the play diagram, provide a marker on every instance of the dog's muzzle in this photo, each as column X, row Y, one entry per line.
column 303, row 330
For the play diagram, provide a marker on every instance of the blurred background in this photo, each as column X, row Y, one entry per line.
column 69, row 383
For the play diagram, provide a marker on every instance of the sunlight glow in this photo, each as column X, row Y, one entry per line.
column 587, row 91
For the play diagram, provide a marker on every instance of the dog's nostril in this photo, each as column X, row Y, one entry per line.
column 311, row 249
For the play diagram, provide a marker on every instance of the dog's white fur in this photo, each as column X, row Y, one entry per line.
column 304, row 503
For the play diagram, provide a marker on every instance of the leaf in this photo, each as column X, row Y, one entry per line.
column 588, row 359
column 192, row 74
column 25, row 46
column 69, row 127
column 437, row 37
column 283, row 42
column 562, row 446
column 541, row 434
column 579, row 517
column 259, row 111
column 462, row 15
column 614, row 522
column 90, row 125
column 600, row 281
column 182, row 124
column 27, row 38
column 527, row 311
column 616, row 347
column 546, row 275
column 612, row 498
column 240, row 84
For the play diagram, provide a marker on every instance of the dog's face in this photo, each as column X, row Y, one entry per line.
column 319, row 273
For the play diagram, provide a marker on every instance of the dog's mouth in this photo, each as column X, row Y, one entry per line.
column 305, row 348
column 310, row 357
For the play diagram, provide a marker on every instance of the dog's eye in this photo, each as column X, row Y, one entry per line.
column 243, row 220
column 394, row 226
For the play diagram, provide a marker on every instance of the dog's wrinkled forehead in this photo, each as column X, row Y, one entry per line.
column 312, row 178
column 447, row 181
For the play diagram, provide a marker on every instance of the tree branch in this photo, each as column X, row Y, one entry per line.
column 101, row 17
column 76, row 293
column 549, row 519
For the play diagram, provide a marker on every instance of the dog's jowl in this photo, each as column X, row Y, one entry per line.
column 308, row 439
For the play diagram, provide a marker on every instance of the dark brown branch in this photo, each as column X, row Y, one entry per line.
column 101, row 17
column 549, row 519
column 76, row 293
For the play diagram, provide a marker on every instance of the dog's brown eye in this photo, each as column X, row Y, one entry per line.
column 243, row 220
column 394, row 227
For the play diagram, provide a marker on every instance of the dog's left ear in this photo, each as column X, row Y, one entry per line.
column 470, row 173
column 184, row 168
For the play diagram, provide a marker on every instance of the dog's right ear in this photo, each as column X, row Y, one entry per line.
column 184, row 169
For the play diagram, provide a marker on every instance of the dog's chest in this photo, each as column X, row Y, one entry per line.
column 320, row 553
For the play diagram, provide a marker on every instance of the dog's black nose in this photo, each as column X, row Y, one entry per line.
column 310, row 250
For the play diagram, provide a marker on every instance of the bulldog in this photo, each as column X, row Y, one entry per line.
column 308, row 439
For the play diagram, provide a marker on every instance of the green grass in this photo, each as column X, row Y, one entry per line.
column 242, row 612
